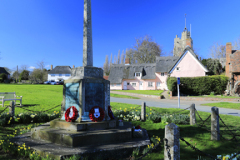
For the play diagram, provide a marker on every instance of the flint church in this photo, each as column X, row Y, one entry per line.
column 153, row 76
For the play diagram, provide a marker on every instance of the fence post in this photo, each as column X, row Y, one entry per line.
column 192, row 114
column 143, row 111
column 12, row 108
column 215, row 132
column 172, row 134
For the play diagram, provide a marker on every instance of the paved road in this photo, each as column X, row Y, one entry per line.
column 166, row 103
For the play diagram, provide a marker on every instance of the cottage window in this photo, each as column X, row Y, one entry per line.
column 162, row 74
column 67, row 75
column 137, row 74
column 178, row 68
column 60, row 75
column 158, row 84
column 112, row 85
column 150, row 84
column 52, row 75
column 134, row 84
column 119, row 84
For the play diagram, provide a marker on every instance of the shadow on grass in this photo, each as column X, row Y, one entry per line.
column 197, row 137
column 28, row 105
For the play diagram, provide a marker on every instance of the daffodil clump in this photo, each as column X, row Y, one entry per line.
column 223, row 157
column 7, row 146
column 228, row 156
column 175, row 118
column 127, row 115
column 6, row 119
column 136, row 152
column 36, row 117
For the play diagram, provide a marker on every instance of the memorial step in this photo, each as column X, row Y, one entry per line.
column 81, row 138
column 113, row 150
column 83, row 126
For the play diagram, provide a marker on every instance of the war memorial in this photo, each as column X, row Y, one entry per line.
column 86, row 127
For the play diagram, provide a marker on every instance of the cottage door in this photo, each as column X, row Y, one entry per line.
column 125, row 85
column 141, row 86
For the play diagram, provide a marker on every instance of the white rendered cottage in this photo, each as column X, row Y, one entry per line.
column 59, row 73
column 152, row 76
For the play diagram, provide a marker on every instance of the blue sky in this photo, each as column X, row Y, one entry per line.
column 52, row 30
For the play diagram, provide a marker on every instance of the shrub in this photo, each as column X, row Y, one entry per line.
column 4, row 119
column 3, row 77
column 198, row 85
column 24, row 118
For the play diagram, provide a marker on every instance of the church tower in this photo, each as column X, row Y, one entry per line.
column 181, row 43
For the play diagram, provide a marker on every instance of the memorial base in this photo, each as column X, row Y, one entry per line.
column 96, row 143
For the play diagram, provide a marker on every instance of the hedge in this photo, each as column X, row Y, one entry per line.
column 198, row 85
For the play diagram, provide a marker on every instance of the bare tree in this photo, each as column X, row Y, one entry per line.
column 122, row 57
column 217, row 51
column 236, row 44
column 39, row 74
column 115, row 60
column 110, row 65
column 118, row 58
column 41, row 65
column 144, row 51
column 106, row 66
column 24, row 67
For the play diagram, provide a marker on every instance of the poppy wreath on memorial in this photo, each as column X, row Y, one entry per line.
column 96, row 117
column 110, row 113
column 75, row 114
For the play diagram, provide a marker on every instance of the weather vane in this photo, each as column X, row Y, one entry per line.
column 185, row 20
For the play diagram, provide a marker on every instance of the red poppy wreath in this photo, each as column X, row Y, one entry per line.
column 96, row 114
column 71, row 114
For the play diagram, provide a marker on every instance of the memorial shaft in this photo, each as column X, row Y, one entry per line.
column 87, row 35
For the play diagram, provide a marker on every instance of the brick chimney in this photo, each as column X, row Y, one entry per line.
column 228, row 60
column 73, row 66
column 189, row 42
column 127, row 61
column 51, row 67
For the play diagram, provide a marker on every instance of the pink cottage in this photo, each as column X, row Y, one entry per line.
column 152, row 76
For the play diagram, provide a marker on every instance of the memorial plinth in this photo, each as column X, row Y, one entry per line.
column 86, row 88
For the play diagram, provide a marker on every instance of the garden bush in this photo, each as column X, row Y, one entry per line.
column 198, row 85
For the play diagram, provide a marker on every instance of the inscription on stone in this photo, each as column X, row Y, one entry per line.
column 72, row 95
column 94, row 95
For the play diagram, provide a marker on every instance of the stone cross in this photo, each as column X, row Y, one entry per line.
column 87, row 35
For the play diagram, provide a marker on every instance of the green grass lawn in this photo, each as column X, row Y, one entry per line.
column 147, row 92
column 122, row 96
column 48, row 96
column 213, row 96
column 224, row 105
